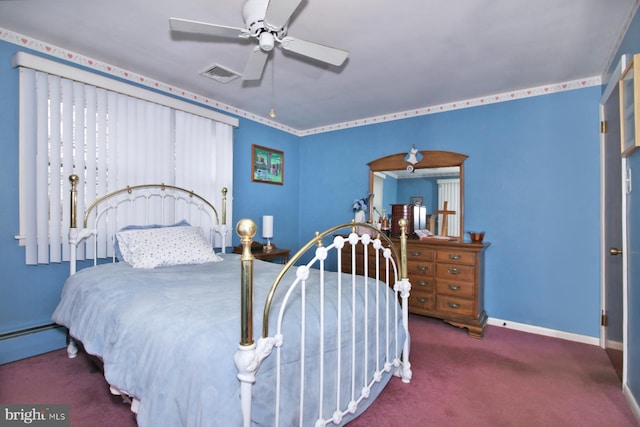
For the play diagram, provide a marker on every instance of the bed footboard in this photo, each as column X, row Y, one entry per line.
column 366, row 344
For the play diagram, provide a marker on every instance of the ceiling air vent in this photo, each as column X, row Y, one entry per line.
column 220, row 73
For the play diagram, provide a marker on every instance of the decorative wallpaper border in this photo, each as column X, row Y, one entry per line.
column 476, row 102
column 73, row 57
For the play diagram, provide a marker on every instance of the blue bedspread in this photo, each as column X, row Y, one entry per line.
column 167, row 336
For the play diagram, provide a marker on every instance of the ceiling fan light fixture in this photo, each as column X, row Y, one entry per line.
column 267, row 41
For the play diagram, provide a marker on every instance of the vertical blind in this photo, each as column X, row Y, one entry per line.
column 110, row 140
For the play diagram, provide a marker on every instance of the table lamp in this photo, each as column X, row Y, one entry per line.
column 267, row 232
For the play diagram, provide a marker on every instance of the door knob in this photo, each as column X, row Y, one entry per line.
column 615, row 251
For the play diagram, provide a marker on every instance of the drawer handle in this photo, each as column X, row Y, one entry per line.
column 454, row 287
column 453, row 270
column 455, row 256
column 454, row 305
column 416, row 253
column 422, row 283
column 422, row 268
column 422, row 300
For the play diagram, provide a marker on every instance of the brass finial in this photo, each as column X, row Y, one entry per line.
column 246, row 229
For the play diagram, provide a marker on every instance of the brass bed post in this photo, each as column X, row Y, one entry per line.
column 222, row 228
column 404, row 371
column 224, row 205
column 403, row 248
column 74, row 199
column 73, row 228
column 246, row 229
column 245, row 357
column 72, row 348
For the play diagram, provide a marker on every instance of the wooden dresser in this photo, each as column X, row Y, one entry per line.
column 447, row 281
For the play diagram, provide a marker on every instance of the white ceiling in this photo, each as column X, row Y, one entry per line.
column 404, row 55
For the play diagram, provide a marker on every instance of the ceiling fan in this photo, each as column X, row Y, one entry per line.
column 266, row 21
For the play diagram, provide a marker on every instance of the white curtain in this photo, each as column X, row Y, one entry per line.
column 110, row 140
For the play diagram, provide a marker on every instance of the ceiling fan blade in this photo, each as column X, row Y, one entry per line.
column 278, row 13
column 327, row 54
column 255, row 66
column 188, row 26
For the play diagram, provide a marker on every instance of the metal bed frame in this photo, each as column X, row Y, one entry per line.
column 390, row 268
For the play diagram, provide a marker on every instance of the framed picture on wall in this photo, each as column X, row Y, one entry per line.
column 267, row 165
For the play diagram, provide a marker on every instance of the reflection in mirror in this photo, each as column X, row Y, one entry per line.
column 430, row 194
column 426, row 190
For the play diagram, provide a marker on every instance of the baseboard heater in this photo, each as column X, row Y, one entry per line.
column 28, row 331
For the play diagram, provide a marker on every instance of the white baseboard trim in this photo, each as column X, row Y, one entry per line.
column 633, row 403
column 616, row 345
column 543, row 331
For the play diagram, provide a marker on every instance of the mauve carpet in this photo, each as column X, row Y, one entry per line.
column 509, row 378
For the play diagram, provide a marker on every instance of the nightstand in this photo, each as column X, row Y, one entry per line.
column 276, row 255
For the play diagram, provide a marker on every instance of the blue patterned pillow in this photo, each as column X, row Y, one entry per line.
column 156, row 247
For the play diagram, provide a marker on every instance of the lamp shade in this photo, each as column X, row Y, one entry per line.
column 267, row 226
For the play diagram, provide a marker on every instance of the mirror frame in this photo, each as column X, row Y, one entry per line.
column 430, row 159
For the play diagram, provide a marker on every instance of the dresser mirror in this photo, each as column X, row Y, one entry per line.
column 420, row 183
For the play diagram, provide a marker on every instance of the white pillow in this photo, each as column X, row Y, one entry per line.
column 155, row 247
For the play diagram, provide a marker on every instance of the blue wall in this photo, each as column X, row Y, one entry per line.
column 28, row 295
column 255, row 199
column 531, row 182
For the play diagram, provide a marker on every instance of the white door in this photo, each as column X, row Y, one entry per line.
column 612, row 237
column 612, row 200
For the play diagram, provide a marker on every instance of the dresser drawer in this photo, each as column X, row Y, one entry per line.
column 422, row 284
column 456, row 289
column 422, row 300
column 420, row 268
column 456, row 257
column 419, row 252
column 455, row 306
column 455, row 272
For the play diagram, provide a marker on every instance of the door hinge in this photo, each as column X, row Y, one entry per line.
column 603, row 126
column 604, row 319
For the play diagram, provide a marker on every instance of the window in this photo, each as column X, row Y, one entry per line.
column 110, row 140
